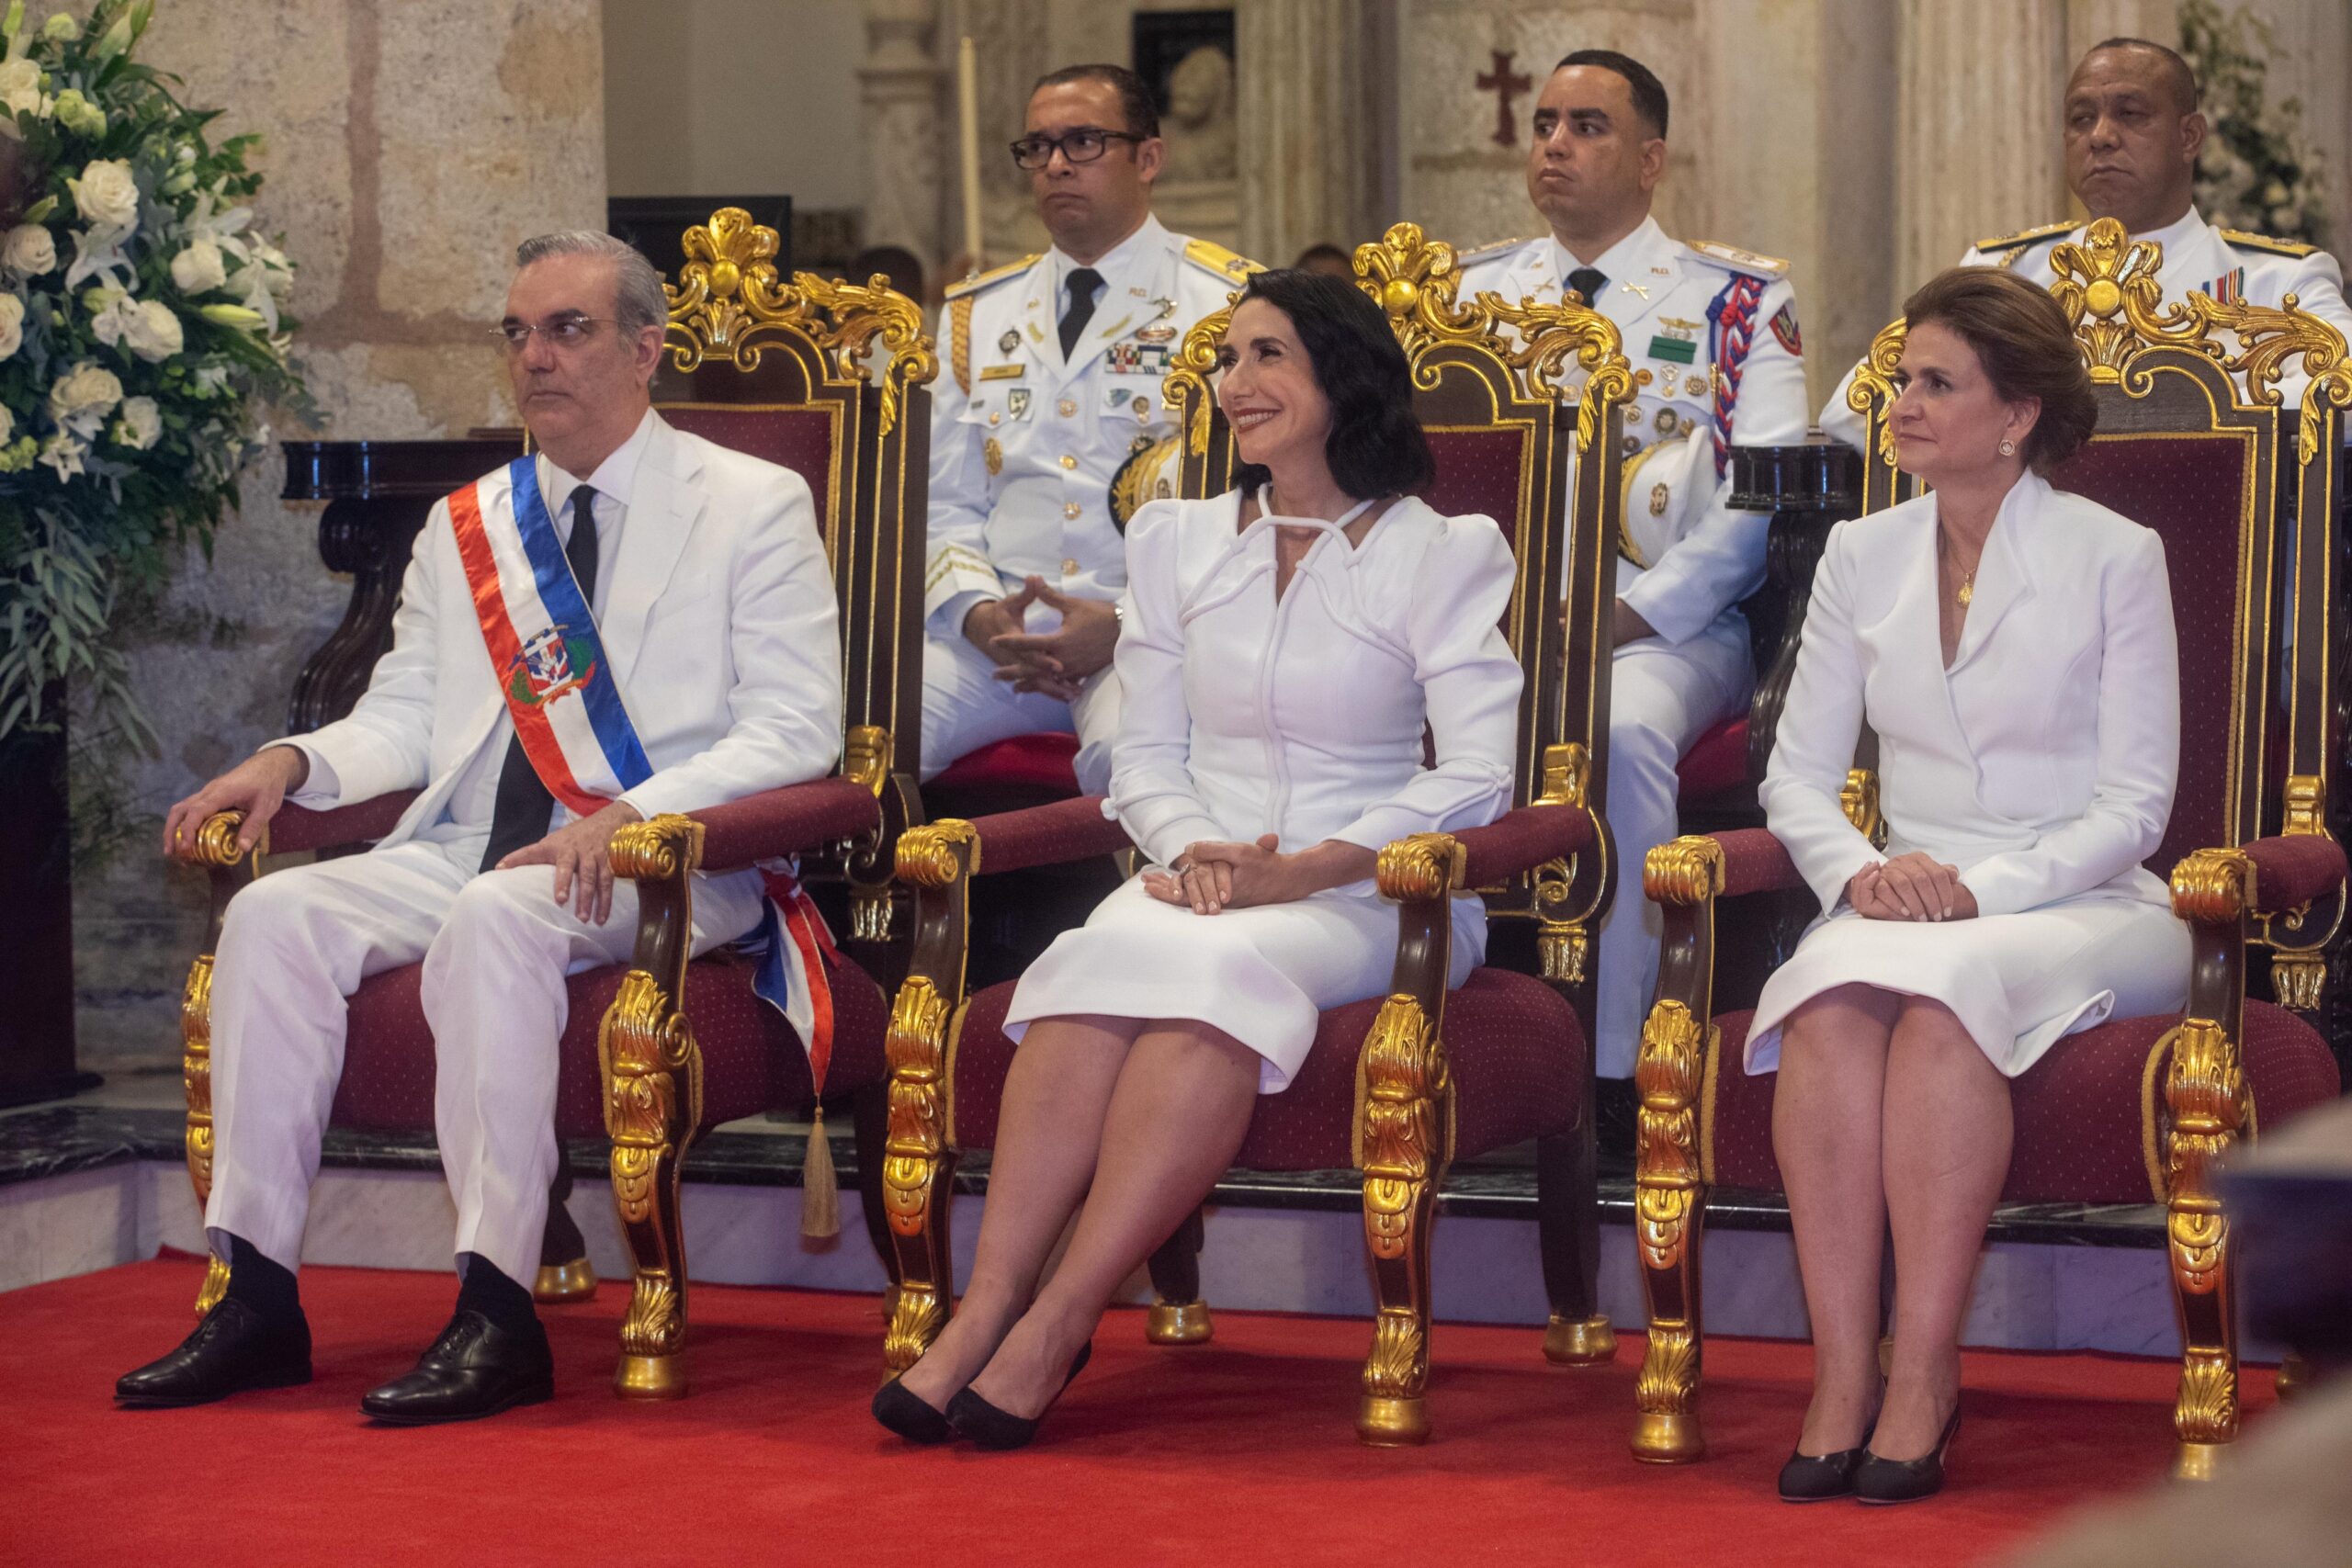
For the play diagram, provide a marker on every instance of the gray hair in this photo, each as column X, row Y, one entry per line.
column 639, row 302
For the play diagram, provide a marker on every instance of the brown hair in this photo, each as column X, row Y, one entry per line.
column 2021, row 336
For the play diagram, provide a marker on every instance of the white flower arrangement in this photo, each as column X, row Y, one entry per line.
column 2255, row 173
column 142, row 329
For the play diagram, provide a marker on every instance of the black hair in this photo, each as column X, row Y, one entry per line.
column 2180, row 76
column 1376, row 447
column 1135, row 99
column 1649, row 93
column 901, row 266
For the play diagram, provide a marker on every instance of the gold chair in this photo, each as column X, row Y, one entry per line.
column 2243, row 494
column 1395, row 1089
column 659, row 1049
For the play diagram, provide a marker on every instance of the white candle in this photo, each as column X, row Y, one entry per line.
column 968, row 96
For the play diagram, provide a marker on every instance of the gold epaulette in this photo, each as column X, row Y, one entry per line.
column 2027, row 236
column 1486, row 252
column 1745, row 261
column 2246, row 241
column 1228, row 264
column 994, row 275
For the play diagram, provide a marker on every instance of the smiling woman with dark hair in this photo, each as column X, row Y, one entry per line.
column 1285, row 647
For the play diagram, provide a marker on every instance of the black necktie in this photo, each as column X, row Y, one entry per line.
column 1081, row 284
column 524, row 808
column 1588, row 281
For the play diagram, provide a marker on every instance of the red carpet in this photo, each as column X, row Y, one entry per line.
column 1239, row 1453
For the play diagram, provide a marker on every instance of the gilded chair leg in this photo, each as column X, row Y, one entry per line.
column 917, row 1165
column 1404, row 1158
column 653, row 1103
column 1669, row 1214
column 1179, row 1316
column 196, row 1078
column 2204, row 1094
column 1568, row 1222
column 2294, row 1377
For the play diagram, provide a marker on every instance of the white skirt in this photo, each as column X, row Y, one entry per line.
column 1262, row 974
column 2017, row 983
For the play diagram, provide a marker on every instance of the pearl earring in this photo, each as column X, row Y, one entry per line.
column 2008, row 447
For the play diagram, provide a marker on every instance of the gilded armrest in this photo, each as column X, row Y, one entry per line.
column 778, row 822
column 298, row 828
column 1521, row 841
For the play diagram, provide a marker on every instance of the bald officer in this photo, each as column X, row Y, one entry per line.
column 1056, row 363
column 2133, row 132
column 1712, row 332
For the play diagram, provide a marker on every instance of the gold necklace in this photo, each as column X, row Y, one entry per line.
column 1966, row 592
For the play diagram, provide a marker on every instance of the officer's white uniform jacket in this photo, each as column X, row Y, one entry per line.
column 1712, row 333
column 2225, row 263
column 1023, row 446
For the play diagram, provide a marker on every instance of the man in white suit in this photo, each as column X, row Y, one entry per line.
column 1712, row 332
column 702, row 594
column 2134, row 136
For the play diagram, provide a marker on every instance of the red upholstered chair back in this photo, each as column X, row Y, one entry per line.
column 2243, row 492
column 771, row 368
column 1505, row 445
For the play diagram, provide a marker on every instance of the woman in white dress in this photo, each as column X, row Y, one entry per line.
column 2012, row 647
column 1284, row 649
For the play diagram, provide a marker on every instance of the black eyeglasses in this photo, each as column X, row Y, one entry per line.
column 1083, row 146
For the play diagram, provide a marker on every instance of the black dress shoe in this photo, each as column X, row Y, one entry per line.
column 235, row 1348
column 991, row 1428
column 475, row 1368
column 1817, row 1478
column 909, row 1415
column 1883, row 1480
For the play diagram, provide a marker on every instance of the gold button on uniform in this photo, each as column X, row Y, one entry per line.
column 1069, row 568
column 1068, row 461
column 1070, row 509
column 1068, row 406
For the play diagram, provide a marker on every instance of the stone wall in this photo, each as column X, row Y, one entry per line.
column 409, row 145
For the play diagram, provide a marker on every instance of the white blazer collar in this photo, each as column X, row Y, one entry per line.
column 2003, row 581
column 668, row 502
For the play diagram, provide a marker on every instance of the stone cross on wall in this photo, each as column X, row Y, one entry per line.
column 1506, row 85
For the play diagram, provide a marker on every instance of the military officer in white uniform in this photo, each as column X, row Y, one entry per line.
column 2133, row 132
column 1712, row 332
column 1055, row 364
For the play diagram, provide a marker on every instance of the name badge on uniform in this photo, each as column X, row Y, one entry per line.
column 1680, row 350
column 1002, row 372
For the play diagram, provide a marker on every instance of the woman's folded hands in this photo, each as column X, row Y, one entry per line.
column 1912, row 887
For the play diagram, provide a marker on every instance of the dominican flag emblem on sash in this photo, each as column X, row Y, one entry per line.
column 575, row 728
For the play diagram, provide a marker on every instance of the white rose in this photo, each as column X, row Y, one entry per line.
column 20, row 89
column 83, row 397
column 30, row 251
column 153, row 332
column 140, row 426
column 12, row 325
column 200, row 269
column 114, row 315
column 64, row 452
column 106, row 193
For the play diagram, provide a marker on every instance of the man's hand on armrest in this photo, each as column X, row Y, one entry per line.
column 582, row 854
column 256, row 786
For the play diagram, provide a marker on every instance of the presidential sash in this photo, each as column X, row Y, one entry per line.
column 550, row 663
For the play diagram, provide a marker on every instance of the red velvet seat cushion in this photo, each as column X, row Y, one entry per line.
column 1513, row 1045
column 751, row 1061
column 1717, row 760
column 2081, row 1135
column 1043, row 760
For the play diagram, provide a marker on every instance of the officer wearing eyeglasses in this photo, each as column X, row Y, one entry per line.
column 1055, row 364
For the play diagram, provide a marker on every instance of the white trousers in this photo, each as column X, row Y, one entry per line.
column 964, row 707
column 495, row 946
column 1662, row 697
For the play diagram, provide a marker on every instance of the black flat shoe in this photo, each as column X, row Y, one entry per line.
column 475, row 1368
column 909, row 1415
column 234, row 1349
column 993, row 1429
column 1817, row 1478
column 1883, row 1480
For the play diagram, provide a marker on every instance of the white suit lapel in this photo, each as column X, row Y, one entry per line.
column 1119, row 314
column 2002, row 582
column 661, row 517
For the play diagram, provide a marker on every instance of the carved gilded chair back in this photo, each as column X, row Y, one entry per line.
column 2195, row 441
column 780, row 370
column 1487, row 379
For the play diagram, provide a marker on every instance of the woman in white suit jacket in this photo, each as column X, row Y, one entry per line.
column 1285, row 648
column 2012, row 647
